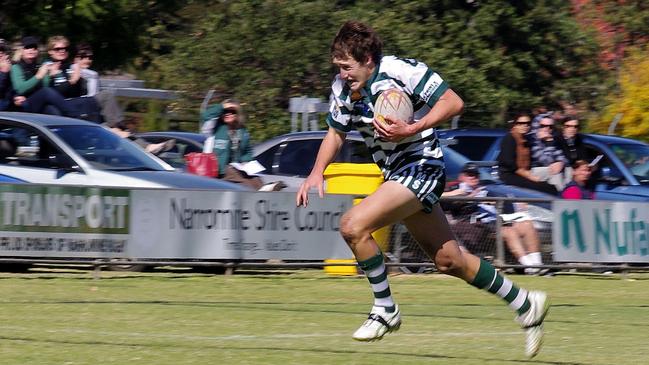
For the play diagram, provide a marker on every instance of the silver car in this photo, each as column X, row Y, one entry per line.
column 290, row 157
column 47, row 149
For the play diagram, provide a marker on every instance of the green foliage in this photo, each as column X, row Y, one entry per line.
column 152, row 120
column 630, row 17
column 120, row 31
column 261, row 52
column 499, row 56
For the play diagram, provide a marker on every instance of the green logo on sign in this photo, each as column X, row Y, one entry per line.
column 63, row 209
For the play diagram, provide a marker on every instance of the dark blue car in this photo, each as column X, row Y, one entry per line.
column 623, row 171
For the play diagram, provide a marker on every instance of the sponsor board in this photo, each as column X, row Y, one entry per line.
column 233, row 225
column 599, row 231
column 52, row 221
column 91, row 222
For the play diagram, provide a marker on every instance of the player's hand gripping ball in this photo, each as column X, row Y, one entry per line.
column 395, row 104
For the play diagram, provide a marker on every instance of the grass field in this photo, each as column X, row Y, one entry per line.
column 306, row 317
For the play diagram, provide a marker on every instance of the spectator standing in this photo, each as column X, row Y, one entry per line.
column 514, row 160
column 578, row 188
column 226, row 130
column 547, row 158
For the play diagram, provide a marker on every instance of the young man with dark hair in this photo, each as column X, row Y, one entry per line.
column 410, row 158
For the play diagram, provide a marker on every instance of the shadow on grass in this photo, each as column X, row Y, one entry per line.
column 292, row 350
column 282, row 307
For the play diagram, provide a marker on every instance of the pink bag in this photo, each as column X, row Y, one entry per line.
column 203, row 164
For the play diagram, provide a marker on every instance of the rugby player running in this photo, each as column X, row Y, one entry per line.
column 410, row 158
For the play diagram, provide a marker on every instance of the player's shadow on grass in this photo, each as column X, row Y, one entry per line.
column 292, row 350
column 286, row 308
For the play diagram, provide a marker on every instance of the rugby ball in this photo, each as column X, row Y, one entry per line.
column 395, row 104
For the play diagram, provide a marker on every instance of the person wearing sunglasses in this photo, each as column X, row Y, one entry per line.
column 571, row 140
column 89, row 78
column 30, row 83
column 514, row 159
column 229, row 139
column 548, row 160
column 112, row 113
column 65, row 77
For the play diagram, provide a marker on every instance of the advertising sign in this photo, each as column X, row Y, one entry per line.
column 232, row 225
column 57, row 221
column 600, row 231
column 90, row 222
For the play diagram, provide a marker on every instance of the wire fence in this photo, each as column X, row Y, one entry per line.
column 483, row 226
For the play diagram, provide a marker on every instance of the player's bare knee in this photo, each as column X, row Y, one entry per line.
column 350, row 230
column 449, row 265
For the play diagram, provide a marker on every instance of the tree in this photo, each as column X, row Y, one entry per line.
column 122, row 32
column 500, row 56
column 631, row 105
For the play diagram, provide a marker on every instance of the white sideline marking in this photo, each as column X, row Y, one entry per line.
column 258, row 337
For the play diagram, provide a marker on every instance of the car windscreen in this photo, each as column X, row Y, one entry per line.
column 473, row 147
column 636, row 158
column 104, row 150
column 454, row 163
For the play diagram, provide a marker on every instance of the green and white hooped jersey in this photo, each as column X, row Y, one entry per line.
column 349, row 111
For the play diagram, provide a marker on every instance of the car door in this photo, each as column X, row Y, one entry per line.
column 619, row 184
column 27, row 154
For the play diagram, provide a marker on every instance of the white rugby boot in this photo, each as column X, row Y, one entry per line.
column 532, row 321
column 378, row 323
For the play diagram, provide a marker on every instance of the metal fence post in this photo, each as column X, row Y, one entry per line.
column 500, row 246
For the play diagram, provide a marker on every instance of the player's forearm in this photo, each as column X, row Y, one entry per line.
column 448, row 106
column 329, row 148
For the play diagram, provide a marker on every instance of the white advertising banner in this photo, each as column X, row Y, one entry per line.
column 600, row 231
column 174, row 224
column 60, row 221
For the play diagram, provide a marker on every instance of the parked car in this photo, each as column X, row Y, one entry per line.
column 290, row 157
column 622, row 174
column 47, row 149
column 476, row 144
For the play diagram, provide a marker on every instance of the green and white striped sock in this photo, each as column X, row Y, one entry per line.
column 489, row 279
column 376, row 273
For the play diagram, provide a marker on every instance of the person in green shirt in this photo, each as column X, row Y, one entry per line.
column 224, row 124
column 30, row 81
